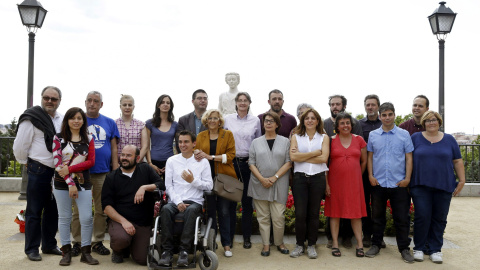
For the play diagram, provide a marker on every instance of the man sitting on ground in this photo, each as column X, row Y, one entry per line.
column 185, row 181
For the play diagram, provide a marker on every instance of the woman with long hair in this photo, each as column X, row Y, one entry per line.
column 161, row 130
column 132, row 131
column 309, row 150
column 73, row 156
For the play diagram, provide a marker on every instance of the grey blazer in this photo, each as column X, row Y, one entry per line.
column 187, row 122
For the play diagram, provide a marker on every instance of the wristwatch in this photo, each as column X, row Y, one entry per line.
column 276, row 176
column 213, row 157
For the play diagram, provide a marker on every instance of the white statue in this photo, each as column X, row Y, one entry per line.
column 226, row 103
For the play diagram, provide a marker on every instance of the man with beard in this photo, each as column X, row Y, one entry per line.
column 275, row 99
column 128, row 207
column 33, row 147
column 338, row 104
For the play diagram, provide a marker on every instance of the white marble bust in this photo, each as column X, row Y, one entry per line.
column 226, row 103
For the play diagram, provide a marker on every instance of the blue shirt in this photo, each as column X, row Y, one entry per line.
column 103, row 130
column 389, row 149
column 162, row 142
column 198, row 123
column 433, row 162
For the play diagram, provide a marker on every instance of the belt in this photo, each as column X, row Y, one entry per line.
column 242, row 159
column 309, row 175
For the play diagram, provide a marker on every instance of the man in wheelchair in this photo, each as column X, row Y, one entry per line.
column 185, row 181
column 129, row 207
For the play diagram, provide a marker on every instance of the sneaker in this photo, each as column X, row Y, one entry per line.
column 182, row 258
column 312, row 254
column 418, row 255
column 436, row 257
column 165, row 259
column 407, row 257
column 298, row 251
column 100, row 249
column 372, row 252
column 228, row 253
column 117, row 257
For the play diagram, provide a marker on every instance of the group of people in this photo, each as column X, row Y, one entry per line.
column 355, row 165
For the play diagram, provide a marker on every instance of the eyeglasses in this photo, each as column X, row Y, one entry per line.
column 201, row 98
column 47, row 98
column 431, row 121
column 213, row 119
column 269, row 121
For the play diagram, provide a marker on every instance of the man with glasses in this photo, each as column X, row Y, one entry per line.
column 105, row 133
column 33, row 147
column 193, row 121
column 275, row 99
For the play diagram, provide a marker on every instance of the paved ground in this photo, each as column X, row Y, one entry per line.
column 461, row 248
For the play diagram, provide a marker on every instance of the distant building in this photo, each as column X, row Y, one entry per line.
column 463, row 138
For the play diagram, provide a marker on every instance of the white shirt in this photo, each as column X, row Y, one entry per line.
column 306, row 145
column 30, row 142
column 180, row 190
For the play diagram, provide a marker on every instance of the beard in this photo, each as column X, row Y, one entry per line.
column 129, row 165
column 334, row 115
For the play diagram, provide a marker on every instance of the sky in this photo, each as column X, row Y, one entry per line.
column 309, row 49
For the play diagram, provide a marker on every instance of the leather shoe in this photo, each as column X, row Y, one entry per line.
column 182, row 258
column 55, row 251
column 265, row 253
column 246, row 243
column 34, row 256
column 283, row 250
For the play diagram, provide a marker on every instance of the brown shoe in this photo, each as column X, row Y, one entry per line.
column 87, row 257
column 66, row 255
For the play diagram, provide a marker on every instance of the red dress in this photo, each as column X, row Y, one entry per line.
column 347, row 199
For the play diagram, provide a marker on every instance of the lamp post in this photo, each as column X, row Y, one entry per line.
column 441, row 22
column 32, row 14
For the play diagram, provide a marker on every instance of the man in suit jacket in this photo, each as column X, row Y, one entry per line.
column 193, row 121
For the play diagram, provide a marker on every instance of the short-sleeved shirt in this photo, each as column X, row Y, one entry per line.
column 162, row 142
column 433, row 162
column 389, row 149
column 103, row 130
column 131, row 135
column 288, row 123
column 411, row 126
column 328, row 126
column 368, row 126
column 119, row 192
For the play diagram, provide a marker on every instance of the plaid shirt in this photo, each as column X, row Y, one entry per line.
column 130, row 135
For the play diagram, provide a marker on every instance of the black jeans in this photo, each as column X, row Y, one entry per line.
column 41, row 215
column 167, row 214
column 367, row 223
column 307, row 194
column 400, row 203
column 243, row 172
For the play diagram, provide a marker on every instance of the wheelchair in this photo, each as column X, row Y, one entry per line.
column 204, row 240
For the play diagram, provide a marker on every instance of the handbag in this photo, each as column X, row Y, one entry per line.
column 227, row 187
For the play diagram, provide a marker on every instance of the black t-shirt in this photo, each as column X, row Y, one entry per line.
column 119, row 192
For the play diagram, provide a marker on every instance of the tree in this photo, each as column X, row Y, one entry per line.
column 12, row 129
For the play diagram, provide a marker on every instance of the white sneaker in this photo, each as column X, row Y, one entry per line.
column 312, row 253
column 418, row 255
column 228, row 253
column 436, row 257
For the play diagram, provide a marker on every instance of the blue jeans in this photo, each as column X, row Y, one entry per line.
column 243, row 172
column 64, row 205
column 400, row 203
column 225, row 212
column 431, row 211
column 38, row 227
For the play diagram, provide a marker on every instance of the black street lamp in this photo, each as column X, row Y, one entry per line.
column 441, row 22
column 32, row 14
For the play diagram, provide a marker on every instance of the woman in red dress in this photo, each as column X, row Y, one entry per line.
column 345, row 198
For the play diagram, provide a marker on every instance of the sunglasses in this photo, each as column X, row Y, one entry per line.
column 45, row 98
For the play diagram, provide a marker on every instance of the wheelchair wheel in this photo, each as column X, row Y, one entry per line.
column 211, row 244
column 209, row 261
